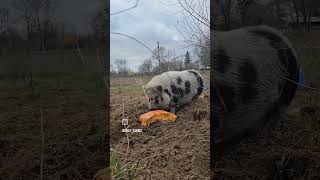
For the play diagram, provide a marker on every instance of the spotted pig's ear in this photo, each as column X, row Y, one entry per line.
column 144, row 89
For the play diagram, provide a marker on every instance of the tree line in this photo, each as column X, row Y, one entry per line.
column 168, row 62
column 281, row 14
column 41, row 30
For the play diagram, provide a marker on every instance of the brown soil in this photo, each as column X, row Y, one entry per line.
column 165, row 150
column 289, row 151
column 74, row 130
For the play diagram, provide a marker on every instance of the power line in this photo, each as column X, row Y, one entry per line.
column 122, row 11
column 144, row 45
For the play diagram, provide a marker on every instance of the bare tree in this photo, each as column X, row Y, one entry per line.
column 177, row 63
column 225, row 7
column 307, row 9
column 99, row 24
column 4, row 19
column 36, row 14
column 229, row 14
column 121, row 65
column 293, row 12
column 146, row 66
column 195, row 27
column 161, row 56
column 37, row 6
column 195, row 24
column 47, row 22
column 242, row 6
column 26, row 9
column 203, row 54
column 42, row 11
column 300, row 11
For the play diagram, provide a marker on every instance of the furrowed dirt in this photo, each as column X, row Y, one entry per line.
column 289, row 151
column 165, row 150
column 73, row 128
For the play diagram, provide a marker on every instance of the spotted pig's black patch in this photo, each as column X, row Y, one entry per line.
column 174, row 89
column 227, row 95
column 200, row 88
column 175, row 99
column 221, row 60
column 159, row 88
column 287, row 59
column 167, row 91
column 179, row 80
column 248, row 77
column 181, row 92
column 200, row 81
column 188, row 87
column 248, row 73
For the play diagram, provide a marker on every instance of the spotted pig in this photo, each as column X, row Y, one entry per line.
column 172, row 90
column 254, row 70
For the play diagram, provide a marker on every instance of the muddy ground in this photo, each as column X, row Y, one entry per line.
column 175, row 150
column 289, row 151
column 73, row 117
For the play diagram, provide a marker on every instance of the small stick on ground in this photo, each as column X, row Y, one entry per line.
column 42, row 146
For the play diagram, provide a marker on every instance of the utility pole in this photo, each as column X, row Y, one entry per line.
column 160, row 69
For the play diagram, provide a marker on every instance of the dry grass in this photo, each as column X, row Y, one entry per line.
column 71, row 142
column 53, row 61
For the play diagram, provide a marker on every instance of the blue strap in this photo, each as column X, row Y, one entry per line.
column 205, row 87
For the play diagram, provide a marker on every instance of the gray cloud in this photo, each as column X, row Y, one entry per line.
column 150, row 22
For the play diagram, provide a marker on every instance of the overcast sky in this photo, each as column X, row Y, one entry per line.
column 150, row 22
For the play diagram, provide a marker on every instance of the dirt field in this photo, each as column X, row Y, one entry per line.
column 178, row 150
column 72, row 111
column 290, row 151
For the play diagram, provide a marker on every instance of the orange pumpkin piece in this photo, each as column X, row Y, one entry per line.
column 156, row 115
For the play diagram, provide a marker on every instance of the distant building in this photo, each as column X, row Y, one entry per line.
column 204, row 68
column 290, row 17
column 314, row 21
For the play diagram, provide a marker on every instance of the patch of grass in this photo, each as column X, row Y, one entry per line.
column 43, row 82
column 119, row 168
column 11, row 84
column 126, row 88
column 90, row 83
